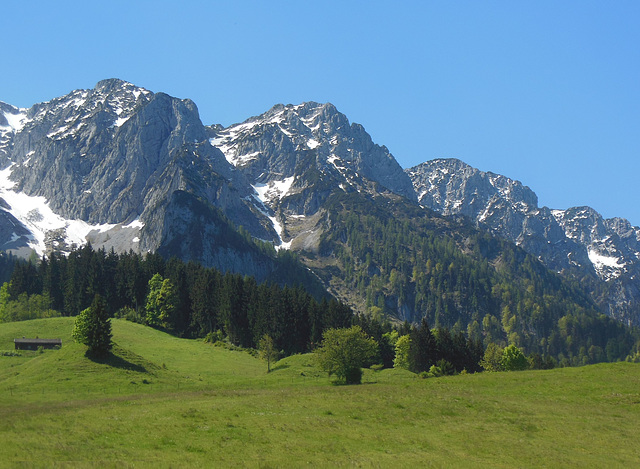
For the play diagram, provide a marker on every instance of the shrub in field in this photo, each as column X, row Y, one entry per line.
column 267, row 351
column 513, row 359
column 492, row 360
column 343, row 352
column 442, row 368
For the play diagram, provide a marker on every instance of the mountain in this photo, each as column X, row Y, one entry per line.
column 297, row 156
column 578, row 241
column 124, row 168
column 342, row 203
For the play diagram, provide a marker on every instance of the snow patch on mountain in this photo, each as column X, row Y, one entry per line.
column 135, row 224
column 12, row 120
column 15, row 121
column 265, row 195
column 226, row 142
column 36, row 215
column 607, row 267
column 332, row 160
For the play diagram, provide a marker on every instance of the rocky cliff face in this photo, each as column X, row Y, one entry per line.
column 272, row 146
column 577, row 240
column 102, row 165
column 105, row 166
column 296, row 156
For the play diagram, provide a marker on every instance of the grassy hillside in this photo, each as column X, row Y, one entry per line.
column 144, row 360
column 163, row 401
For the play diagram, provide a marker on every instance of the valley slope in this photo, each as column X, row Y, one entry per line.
column 162, row 401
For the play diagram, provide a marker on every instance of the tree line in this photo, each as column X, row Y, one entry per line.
column 185, row 299
column 189, row 300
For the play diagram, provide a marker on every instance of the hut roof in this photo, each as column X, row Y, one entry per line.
column 38, row 341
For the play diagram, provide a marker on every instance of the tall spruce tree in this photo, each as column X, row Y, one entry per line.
column 423, row 350
column 93, row 328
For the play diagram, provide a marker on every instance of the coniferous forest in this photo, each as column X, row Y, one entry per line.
column 185, row 299
column 189, row 300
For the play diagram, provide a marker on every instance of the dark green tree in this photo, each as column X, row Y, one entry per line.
column 93, row 328
column 423, row 352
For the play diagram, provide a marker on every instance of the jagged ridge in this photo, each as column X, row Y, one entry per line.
column 577, row 241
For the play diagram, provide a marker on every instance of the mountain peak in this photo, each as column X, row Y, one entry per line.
column 111, row 84
column 7, row 108
column 273, row 146
column 449, row 162
column 452, row 187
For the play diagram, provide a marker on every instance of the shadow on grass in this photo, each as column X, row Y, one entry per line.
column 116, row 361
column 282, row 366
column 336, row 382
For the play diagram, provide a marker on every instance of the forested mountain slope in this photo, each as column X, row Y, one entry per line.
column 393, row 259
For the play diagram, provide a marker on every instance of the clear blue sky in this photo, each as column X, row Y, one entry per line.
column 546, row 92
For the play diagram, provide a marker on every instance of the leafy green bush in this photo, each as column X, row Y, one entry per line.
column 214, row 337
column 25, row 307
column 344, row 351
column 446, row 367
column 492, row 360
column 403, row 349
column 129, row 314
column 513, row 359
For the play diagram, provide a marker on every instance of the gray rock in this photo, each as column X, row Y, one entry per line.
column 297, row 156
column 118, row 153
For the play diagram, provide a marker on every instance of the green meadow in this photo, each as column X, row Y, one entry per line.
column 162, row 401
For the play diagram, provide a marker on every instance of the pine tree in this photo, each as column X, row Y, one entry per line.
column 93, row 328
column 423, row 350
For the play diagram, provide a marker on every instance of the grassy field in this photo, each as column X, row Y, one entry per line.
column 168, row 402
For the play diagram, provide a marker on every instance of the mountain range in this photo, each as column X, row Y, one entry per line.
column 127, row 169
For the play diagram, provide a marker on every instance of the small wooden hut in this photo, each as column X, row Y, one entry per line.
column 33, row 344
